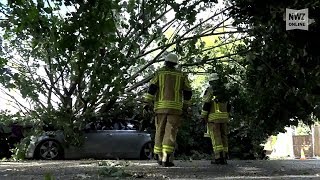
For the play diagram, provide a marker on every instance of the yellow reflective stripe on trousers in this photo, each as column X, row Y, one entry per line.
column 157, row 149
column 218, row 148
column 167, row 149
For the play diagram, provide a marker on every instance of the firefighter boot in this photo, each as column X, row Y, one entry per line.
column 159, row 159
column 213, row 160
column 226, row 157
column 217, row 159
column 223, row 158
column 167, row 160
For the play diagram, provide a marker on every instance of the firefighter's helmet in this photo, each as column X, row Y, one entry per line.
column 171, row 57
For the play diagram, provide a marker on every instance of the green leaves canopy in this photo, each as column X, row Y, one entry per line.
column 282, row 67
column 73, row 59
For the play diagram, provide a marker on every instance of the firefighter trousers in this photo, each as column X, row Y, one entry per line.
column 219, row 138
column 167, row 126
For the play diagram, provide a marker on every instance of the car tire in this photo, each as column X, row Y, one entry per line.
column 147, row 151
column 49, row 150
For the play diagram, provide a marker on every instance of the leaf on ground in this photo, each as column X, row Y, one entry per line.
column 113, row 172
column 48, row 176
column 114, row 163
column 138, row 175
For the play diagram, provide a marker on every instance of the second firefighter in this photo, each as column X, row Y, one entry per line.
column 215, row 113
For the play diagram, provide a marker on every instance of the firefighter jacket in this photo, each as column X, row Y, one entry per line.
column 170, row 90
column 213, row 110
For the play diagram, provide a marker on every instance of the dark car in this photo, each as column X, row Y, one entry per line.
column 120, row 141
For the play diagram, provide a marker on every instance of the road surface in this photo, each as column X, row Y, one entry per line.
column 111, row 169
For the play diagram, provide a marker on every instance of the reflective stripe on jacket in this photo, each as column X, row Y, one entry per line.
column 171, row 84
column 212, row 110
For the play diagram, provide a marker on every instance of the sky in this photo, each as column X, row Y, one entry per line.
column 7, row 105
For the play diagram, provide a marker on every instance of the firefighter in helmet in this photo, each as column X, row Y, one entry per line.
column 170, row 92
column 215, row 113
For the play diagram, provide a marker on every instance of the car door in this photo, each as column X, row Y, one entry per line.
column 96, row 143
column 126, row 143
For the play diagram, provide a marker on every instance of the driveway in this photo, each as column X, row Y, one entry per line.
column 108, row 169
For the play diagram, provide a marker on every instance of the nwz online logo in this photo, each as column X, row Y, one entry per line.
column 297, row 19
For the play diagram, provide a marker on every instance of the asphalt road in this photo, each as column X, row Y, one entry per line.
column 108, row 169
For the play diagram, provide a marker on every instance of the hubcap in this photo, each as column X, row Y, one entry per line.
column 49, row 150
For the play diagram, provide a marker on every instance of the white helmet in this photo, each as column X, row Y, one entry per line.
column 171, row 57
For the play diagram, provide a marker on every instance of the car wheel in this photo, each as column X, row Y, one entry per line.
column 147, row 151
column 49, row 150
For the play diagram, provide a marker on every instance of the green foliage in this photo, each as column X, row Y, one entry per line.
column 20, row 150
column 190, row 138
column 113, row 172
column 76, row 61
column 73, row 60
column 280, row 82
column 113, row 169
column 302, row 129
column 281, row 65
column 5, row 117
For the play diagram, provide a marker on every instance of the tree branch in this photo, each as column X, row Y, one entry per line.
column 52, row 82
column 16, row 102
column 177, row 30
column 142, row 31
column 211, row 59
column 223, row 44
column 152, row 22
column 214, row 28
column 145, row 80
column 156, row 35
column 185, row 39
column 115, row 24
column 148, row 78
